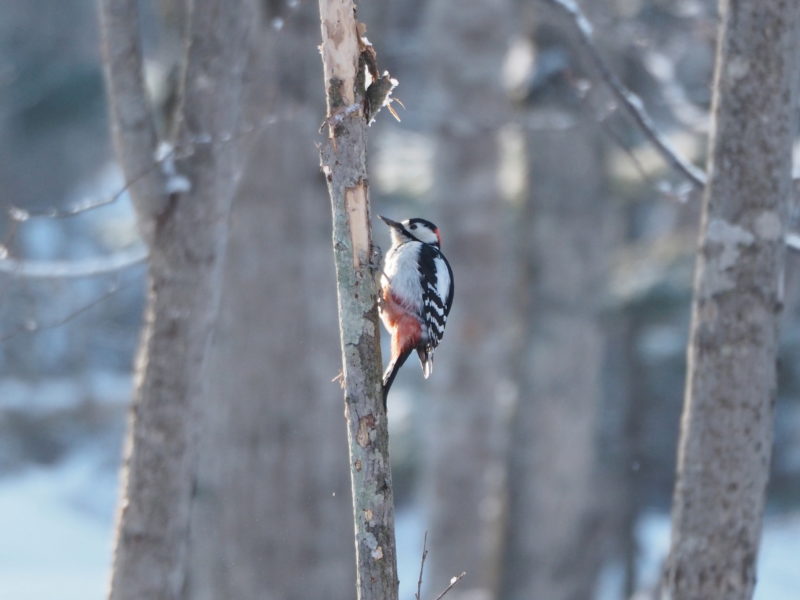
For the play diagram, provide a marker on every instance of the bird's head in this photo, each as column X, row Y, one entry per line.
column 421, row 230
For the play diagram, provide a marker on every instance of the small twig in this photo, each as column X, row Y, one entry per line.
column 32, row 327
column 453, row 582
column 630, row 101
column 340, row 115
column 417, row 596
column 20, row 214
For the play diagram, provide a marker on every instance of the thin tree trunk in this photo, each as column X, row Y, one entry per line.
column 554, row 547
column 726, row 429
column 271, row 517
column 184, row 216
column 343, row 159
column 469, row 392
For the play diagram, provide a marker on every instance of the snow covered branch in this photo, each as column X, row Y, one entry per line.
column 73, row 269
column 627, row 99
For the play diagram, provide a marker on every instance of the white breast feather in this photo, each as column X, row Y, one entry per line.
column 401, row 269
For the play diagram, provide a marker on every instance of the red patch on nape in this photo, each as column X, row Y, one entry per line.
column 438, row 235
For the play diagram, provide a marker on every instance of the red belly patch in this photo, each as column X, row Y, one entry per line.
column 403, row 324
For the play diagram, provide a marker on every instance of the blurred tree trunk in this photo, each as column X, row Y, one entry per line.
column 466, row 42
column 272, row 515
column 554, row 547
column 183, row 211
column 726, row 429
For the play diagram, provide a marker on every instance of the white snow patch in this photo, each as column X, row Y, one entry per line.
column 176, row 183
column 56, row 525
column 778, row 576
column 793, row 241
column 18, row 214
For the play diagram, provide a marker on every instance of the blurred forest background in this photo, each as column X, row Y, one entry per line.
column 540, row 456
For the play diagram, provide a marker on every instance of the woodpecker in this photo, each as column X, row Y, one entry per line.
column 416, row 294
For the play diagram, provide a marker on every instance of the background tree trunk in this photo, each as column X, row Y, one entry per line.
column 187, row 233
column 272, row 514
column 343, row 160
column 726, row 433
column 470, row 390
column 555, row 541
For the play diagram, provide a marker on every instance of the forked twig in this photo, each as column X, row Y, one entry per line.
column 453, row 581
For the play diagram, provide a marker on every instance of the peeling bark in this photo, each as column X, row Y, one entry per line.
column 343, row 160
column 726, row 428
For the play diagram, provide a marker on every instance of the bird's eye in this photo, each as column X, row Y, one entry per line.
column 414, row 226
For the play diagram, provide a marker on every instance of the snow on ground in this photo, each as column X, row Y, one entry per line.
column 778, row 568
column 55, row 531
column 56, row 527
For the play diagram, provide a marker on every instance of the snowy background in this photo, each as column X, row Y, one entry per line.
column 67, row 345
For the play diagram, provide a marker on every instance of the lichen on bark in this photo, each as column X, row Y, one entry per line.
column 343, row 160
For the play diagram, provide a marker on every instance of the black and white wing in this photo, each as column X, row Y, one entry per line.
column 436, row 280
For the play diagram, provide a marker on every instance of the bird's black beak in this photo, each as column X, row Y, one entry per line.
column 392, row 224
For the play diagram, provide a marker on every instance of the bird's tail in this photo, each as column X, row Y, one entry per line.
column 425, row 354
column 391, row 371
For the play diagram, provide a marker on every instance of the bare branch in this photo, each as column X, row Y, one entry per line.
column 31, row 327
column 71, row 269
column 20, row 214
column 417, row 596
column 453, row 583
column 163, row 161
column 630, row 101
column 132, row 124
